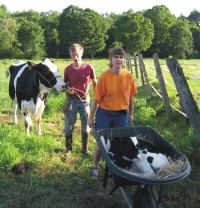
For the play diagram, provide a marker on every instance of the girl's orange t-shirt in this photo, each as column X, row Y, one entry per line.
column 113, row 91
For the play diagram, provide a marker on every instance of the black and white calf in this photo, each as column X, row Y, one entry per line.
column 28, row 88
column 128, row 153
column 122, row 150
column 149, row 163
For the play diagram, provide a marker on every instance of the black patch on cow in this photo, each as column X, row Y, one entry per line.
column 47, row 77
column 150, row 159
column 148, row 146
column 13, row 73
column 122, row 148
column 144, row 152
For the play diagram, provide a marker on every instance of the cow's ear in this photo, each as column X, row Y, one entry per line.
column 30, row 65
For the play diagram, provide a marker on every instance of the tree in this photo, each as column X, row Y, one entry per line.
column 194, row 16
column 8, row 33
column 162, row 19
column 49, row 23
column 181, row 39
column 196, row 41
column 86, row 27
column 30, row 35
column 134, row 31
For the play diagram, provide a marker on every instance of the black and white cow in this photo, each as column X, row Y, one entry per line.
column 129, row 153
column 28, row 88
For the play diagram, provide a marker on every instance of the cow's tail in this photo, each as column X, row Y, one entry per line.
column 7, row 73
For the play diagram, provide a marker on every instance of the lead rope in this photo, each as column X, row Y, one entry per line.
column 75, row 90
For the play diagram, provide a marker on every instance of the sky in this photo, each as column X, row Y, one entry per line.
column 176, row 7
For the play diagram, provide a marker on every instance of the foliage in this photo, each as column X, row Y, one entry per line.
column 82, row 26
column 134, row 31
column 194, row 16
column 49, row 23
column 196, row 40
column 8, row 34
column 30, row 35
column 162, row 19
column 181, row 39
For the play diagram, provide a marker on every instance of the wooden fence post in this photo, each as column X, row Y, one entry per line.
column 162, row 87
column 128, row 63
column 141, row 71
column 135, row 64
column 185, row 95
column 144, row 74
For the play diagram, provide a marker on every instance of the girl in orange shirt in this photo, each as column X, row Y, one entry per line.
column 113, row 99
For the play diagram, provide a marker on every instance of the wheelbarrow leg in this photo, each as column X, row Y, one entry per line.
column 145, row 197
column 127, row 197
column 105, row 179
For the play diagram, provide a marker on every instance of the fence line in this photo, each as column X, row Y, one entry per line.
column 186, row 99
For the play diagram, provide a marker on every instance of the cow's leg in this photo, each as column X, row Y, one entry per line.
column 15, row 106
column 27, row 122
column 38, row 117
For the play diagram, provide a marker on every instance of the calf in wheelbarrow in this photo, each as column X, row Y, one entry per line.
column 146, row 195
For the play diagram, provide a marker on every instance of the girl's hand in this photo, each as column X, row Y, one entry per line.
column 90, row 122
column 130, row 119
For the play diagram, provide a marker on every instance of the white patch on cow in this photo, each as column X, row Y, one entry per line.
column 18, row 75
column 50, row 65
column 159, row 160
column 105, row 144
column 142, row 165
column 15, row 107
column 60, row 84
column 31, row 109
column 134, row 140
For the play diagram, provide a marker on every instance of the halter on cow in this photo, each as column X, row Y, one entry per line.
column 28, row 88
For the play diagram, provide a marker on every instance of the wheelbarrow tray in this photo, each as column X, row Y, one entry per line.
column 123, row 177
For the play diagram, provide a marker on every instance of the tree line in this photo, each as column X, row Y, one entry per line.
column 32, row 35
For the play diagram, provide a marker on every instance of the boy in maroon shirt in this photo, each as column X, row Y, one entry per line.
column 77, row 77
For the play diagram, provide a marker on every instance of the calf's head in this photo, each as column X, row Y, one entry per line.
column 123, row 150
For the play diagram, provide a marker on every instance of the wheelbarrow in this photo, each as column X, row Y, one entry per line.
column 145, row 193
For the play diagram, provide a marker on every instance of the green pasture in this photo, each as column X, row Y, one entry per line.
column 51, row 180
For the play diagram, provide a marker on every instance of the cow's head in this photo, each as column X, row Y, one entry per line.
column 48, row 75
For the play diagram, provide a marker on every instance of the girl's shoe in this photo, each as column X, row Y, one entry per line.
column 95, row 172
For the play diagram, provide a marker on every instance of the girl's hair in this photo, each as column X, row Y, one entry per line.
column 116, row 51
column 74, row 47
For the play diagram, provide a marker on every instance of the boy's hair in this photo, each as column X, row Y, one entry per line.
column 116, row 51
column 74, row 47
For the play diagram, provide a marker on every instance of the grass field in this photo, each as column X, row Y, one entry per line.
column 52, row 181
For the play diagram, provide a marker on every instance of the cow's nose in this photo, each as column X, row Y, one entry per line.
column 64, row 86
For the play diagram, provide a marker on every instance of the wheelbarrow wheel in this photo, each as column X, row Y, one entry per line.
column 145, row 197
